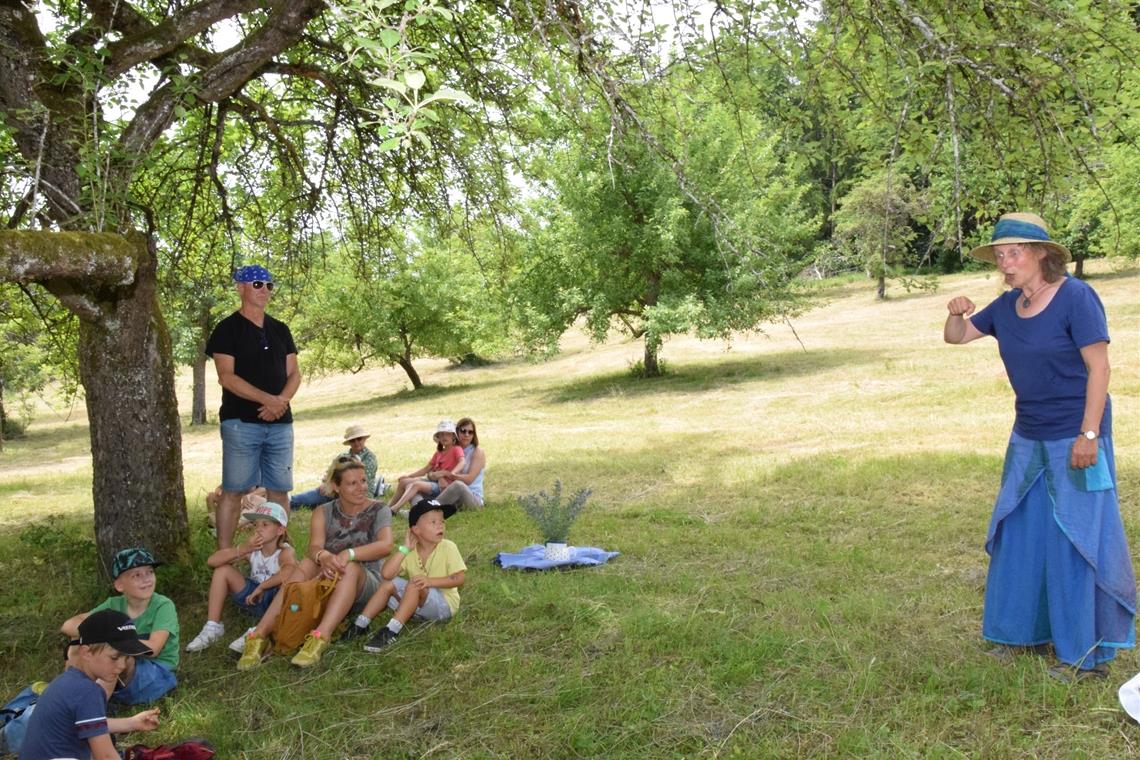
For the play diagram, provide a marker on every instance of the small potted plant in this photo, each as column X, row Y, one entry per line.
column 553, row 517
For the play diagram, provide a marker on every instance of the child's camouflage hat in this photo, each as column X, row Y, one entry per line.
column 128, row 559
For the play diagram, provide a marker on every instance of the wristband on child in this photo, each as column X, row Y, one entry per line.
column 403, row 550
column 351, row 554
column 317, row 558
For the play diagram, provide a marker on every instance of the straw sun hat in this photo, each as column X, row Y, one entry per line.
column 355, row 431
column 1019, row 228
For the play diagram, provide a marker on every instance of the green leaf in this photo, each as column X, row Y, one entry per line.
column 415, row 79
column 389, row 38
column 391, row 84
column 449, row 94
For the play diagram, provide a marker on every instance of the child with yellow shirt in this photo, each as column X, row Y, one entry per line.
column 434, row 572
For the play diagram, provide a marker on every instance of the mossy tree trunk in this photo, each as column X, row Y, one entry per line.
column 127, row 372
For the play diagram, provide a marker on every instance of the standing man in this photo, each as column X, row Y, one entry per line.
column 257, row 368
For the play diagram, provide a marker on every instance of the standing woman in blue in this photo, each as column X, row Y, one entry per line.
column 1060, row 571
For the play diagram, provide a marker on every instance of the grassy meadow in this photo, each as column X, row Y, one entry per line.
column 800, row 517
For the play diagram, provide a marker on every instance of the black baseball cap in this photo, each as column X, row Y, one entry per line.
column 114, row 628
column 425, row 506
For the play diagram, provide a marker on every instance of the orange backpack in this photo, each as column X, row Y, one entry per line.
column 303, row 604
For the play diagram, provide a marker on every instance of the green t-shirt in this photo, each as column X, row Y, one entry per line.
column 443, row 561
column 159, row 616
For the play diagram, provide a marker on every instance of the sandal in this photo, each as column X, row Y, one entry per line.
column 1070, row 674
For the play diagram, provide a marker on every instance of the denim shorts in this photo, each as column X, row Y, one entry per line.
column 255, row 454
column 258, row 608
column 434, row 609
column 152, row 680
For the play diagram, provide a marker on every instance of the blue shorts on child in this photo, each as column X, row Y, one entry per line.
column 258, row 608
column 151, row 681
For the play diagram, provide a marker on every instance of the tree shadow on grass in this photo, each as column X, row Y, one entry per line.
column 704, row 376
column 384, row 403
column 1121, row 274
column 53, row 442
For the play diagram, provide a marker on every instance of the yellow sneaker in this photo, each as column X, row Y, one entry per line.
column 255, row 652
column 310, row 653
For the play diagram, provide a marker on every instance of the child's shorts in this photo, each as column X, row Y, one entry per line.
column 435, row 489
column 258, row 608
column 435, row 609
column 152, row 680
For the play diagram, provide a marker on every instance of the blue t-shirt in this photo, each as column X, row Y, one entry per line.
column 71, row 710
column 1042, row 357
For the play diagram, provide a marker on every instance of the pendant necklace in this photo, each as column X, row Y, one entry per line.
column 1025, row 299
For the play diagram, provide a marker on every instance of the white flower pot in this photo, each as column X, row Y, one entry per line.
column 556, row 552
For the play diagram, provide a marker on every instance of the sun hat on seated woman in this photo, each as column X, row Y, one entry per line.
column 355, row 431
column 1019, row 227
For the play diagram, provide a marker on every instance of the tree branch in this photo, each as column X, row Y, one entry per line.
column 234, row 68
column 100, row 257
column 146, row 42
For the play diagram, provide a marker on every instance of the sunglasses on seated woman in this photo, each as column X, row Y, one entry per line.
column 466, row 431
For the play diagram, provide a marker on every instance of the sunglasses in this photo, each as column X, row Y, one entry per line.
column 467, row 431
column 344, row 459
column 258, row 285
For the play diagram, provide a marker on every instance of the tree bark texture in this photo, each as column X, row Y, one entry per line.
column 198, row 367
column 649, row 365
column 127, row 372
column 3, row 415
column 405, row 363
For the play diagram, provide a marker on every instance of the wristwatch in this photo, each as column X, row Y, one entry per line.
column 1090, row 434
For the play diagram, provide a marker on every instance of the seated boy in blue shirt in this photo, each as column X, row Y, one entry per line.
column 145, row 678
column 70, row 719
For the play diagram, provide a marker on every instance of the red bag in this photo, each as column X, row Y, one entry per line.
column 191, row 749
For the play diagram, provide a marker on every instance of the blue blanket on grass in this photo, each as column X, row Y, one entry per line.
column 531, row 558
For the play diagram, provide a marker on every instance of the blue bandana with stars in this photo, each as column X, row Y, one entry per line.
column 252, row 273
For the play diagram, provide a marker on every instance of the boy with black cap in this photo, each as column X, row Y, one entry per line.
column 149, row 677
column 435, row 571
column 70, row 719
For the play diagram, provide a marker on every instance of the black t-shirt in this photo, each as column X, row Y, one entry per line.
column 259, row 359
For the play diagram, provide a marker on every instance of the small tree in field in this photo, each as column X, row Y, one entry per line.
column 425, row 298
column 621, row 242
column 875, row 227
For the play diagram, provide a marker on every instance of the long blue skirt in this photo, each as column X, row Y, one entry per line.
column 1060, row 570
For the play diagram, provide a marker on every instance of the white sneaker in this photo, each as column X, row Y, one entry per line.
column 238, row 644
column 209, row 634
